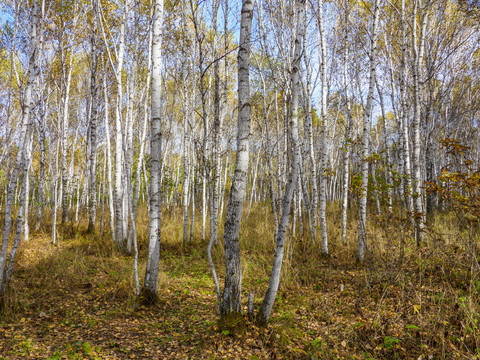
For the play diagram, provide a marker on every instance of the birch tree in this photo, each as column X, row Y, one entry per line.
column 404, row 113
column 323, row 179
column 93, row 120
column 149, row 291
column 216, row 130
column 22, row 156
column 418, row 52
column 348, row 127
column 362, row 221
column 267, row 304
column 231, row 306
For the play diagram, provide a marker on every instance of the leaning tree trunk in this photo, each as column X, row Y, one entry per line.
column 148, row 294
column 21, row 153
column 22, row 206
column 231, row 305
column 269, row 146
column 266, row 308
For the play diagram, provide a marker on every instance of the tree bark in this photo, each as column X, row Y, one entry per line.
column 231, row 304
column 403, row 120
column 149, row 291
column 418, row 51
column 266, row 308
column 323, row 161
column 92, row 205
column 348, row 130
column 362, row 221
column 22, row 155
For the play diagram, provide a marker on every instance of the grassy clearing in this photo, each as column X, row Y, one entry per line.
column 76, row 300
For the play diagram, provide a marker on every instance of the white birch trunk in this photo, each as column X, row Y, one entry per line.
column 266, row 308
column 150, row 286
column 418, row 50
column 323, row 178
column 310, row 150
column 26, row 229
column 41, row 183
column 55, row 198
column 348, row 130
column 388, row 170
column 92, row 205
column 362, row 220
column 109, row 160
column 21, row 153
column 231, row 305
column 403, row 98
column 23, row 204
column 217, row 124
column 65, row 113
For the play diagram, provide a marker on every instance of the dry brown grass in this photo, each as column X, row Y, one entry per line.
column 424, row 303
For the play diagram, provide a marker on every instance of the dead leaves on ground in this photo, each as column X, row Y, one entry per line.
column 68, row 310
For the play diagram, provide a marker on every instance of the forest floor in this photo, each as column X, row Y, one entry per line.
column 75, row 300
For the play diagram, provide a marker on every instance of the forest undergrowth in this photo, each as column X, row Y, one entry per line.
column 76, row 300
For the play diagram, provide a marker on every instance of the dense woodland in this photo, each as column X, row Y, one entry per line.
column 240, row 179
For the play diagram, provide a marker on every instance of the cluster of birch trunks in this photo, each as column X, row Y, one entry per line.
column 208, row 107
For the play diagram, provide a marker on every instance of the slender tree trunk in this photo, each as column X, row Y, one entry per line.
column 224, row 184
column 108, row 160
column 348, row 128
column 266, row 308
column 41, row 176
column 194, row 184
column 65, row 113
column 404, row 114
column 55, row 199
column 133, row 194
column 418, row 50
column 120, row 235
column 388, row 164
column 71, row 172
column 150, row 286
column 26, row 229
column 23, row 204
column 217, row 123
column 254, row 184
column 362, row 220
column 323, row 178
column 92, row 205
column 231, row 305
column 22, row 155
column 141, row 155
column 187, row 112
column 102, row 197
column 310, row 150
column 269, row 147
